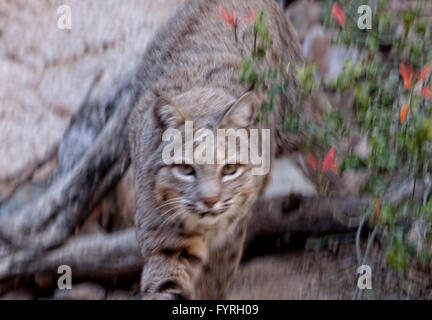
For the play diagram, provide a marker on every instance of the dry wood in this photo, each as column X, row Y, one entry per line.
column 72, row 197
column 93, row 256
column 118, row 254
column 88, row 168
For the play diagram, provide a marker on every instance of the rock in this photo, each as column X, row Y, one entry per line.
column 329, row 59
column 315, row 49
column 316, row 42
column 46, row 72
column 304, row 15
column 284, row 170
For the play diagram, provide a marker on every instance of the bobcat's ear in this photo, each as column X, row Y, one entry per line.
column 241, row 113
column 167, row 114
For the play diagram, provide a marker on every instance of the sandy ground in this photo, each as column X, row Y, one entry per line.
column 324, row 274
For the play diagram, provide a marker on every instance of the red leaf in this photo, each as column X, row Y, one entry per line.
column 229, row 20
column 377, row 207
column 249, row 17
column 426, row 92
column 311, row 161
column 329, row 163
column 424, row 72
column 403, row 113
column 377, row 210
column 338, row 14
column 407, row 74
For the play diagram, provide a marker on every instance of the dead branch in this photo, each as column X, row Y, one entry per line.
column 72, row 197
column 297, row 214
column 88, row 168
column 94, row 256
column 319, row 216
column 118, row 253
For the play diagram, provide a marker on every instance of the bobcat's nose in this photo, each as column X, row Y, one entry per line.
column 210, row 202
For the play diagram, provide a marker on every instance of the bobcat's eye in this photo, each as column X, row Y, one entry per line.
column 229, row 169
column 186, row 169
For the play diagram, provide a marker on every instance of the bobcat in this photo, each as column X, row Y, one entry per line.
column 191, row 219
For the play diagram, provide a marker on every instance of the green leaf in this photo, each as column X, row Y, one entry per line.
column 305, row 75
column 396, row 255
column 387, row 214
column 384, row 23
column 424, row 259
column 361, row 95
column 416, row 50
column 352, row 162
column 421, row 26
column 408, row 18
column 291, row 123
column 260, row 53
column 372, row 42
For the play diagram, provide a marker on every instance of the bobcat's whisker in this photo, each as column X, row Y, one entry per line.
column 172, row 217
column 171, row 201
column 170, row 210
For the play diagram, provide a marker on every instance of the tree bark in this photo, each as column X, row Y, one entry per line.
column 118, row 253
column 93, row 256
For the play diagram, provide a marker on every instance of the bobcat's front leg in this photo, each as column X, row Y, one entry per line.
column 220, row 269
column 171, row 273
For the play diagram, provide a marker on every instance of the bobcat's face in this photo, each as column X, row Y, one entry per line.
column 205, row 191
column 193, row 187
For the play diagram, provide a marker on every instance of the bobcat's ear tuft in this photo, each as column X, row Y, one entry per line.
column 242, row 112
column 167, row 114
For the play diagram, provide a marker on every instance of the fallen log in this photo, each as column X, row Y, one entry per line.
column 118, row 253
column 72, row 197
column 93, row 256
column 84, row 163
